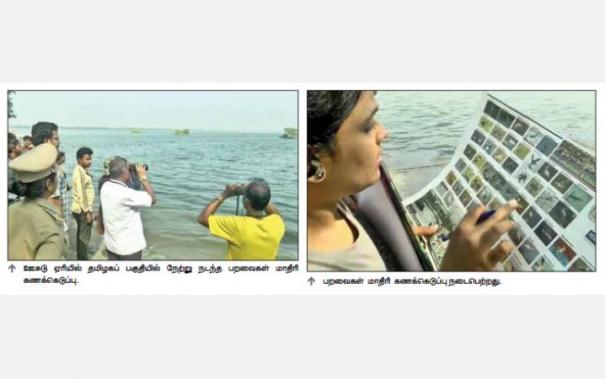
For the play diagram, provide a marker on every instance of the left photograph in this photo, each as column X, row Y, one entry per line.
column 152, row 175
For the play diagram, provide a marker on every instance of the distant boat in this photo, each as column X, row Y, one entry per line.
column 136, row 130
column 181, row 132
column 290, row 133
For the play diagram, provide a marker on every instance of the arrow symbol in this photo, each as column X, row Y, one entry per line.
column 311, row 281
column 12, row 268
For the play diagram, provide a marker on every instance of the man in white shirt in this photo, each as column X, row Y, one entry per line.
column 124, row 238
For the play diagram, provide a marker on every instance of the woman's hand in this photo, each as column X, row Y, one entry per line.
column 471, row 247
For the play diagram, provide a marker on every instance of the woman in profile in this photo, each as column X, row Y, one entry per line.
column 35, row 225
column 343, row 158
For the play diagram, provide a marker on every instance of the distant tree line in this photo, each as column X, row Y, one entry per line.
column 11, row 113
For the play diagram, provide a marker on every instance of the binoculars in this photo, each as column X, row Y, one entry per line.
column 133, row 167
column 241, row 190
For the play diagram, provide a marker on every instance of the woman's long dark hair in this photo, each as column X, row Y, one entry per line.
column 326, row 111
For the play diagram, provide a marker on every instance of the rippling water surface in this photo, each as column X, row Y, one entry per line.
column 187, row 172
column 426, row 126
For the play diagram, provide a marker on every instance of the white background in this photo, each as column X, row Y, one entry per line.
column 379, row 42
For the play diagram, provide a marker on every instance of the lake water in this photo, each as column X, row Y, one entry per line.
column 425, row 127
column 187, row 172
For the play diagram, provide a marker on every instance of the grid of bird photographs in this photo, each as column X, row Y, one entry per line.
column 509, row 156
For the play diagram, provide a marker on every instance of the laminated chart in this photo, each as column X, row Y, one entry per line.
column 506, row 155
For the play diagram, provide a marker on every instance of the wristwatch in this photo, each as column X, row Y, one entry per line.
column 219, row 198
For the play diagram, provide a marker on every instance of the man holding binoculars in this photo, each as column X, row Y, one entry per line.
column 255, row 236
column 120, row 204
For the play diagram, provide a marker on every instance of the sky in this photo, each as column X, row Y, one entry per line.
column 251, row 111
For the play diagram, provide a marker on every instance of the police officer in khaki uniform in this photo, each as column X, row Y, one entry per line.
column 35, row 226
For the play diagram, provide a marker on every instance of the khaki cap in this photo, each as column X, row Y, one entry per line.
column 36, row 164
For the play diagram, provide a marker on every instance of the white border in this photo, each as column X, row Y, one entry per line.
column 296, row 283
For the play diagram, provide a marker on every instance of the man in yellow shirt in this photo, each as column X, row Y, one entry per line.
column 255, row 236
column 83, row 197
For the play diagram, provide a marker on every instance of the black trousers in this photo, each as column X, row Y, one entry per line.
column 130, row 257
column 82, row 235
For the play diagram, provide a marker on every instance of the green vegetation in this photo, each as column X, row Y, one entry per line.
column 11, row 113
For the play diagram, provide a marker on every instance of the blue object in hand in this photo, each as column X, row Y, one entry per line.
column 485, row 215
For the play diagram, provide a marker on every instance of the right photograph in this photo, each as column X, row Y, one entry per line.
column 451, row 180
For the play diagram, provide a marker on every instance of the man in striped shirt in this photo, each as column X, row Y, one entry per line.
column 63, row 188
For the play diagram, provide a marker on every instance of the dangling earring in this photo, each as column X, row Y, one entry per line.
column 320, row 173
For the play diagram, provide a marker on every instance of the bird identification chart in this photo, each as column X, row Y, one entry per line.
column 506, row 155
